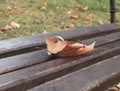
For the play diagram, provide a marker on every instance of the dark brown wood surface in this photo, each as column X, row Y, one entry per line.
column 85, row 79
column 38, row 74
column 24, row 66
column 32, row 58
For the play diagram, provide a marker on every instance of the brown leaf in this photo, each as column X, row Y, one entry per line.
column 55, row 47
column 73, row 16
column 7, row 27
column 70, row 11
column 69, row 25
column 11, row 26
column 101, row 22
column 67, row 48
column 81, row 8
column 77, row 6
column 9, row 8
column 84, row 8
column 43, row 8
column 14, row 25
column 86, row 17
column 62, row 25
column 44, row 32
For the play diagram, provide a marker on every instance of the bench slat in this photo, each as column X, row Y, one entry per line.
column 15, row 46
column 102, row 40
column 85, row 79
column 24, row 60
column 40, row 73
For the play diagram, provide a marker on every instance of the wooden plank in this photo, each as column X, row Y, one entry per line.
column 29, row 77
column 30, row 43
column 102, row 40
column 84, row 79
column 24, row 60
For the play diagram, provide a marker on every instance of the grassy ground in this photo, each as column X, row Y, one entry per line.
column 56, row 17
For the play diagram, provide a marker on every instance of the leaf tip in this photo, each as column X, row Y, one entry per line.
column 93, row 45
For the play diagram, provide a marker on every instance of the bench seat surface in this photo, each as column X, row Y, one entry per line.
column 26, row 67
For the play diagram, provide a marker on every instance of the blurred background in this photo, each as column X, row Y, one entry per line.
column 28, row 17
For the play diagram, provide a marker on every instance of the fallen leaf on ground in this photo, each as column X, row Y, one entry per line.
column 62, row 25
column 58, row 46
column 70, row 11
column 69, row 25
column 7, row 27
column 101, row 22
column 73, row 16
column 44, row 32
column 77, row 6
column 7, row 12
column 14, row 25
column 86, row 17
column 43, row 8
column 81, row 8
column 10, row 26
column 84, row 8
column 9, row 8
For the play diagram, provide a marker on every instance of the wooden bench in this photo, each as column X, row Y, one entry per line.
column 26, row 66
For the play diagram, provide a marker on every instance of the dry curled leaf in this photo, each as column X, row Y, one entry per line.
column 101, row 22
column 7, row 27
column 4, row 29
column 10, row 26
column 69, row 12
column 77, row 6
column 44, row 32
column 69, row 25
column 9, row 8
column 43, row 8
column 67, row 48
column 85, row 8
column 73, row 16
column 81, row 8
column 14, row 25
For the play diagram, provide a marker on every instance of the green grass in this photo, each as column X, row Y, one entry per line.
column 34, row 21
